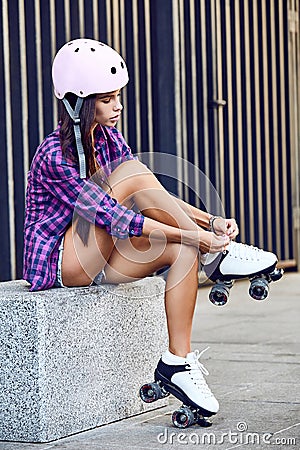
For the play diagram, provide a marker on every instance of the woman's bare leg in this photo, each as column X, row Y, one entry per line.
column 130, row 182
column 136, row 258
column 133, row 180
column 80, row 263
column 181, row 284
column 127, row 262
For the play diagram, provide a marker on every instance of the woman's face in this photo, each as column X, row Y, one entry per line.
column 108, row 108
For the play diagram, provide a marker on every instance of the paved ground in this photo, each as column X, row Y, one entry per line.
column 254, row 372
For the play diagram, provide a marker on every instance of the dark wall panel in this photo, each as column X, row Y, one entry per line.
column 209, row 84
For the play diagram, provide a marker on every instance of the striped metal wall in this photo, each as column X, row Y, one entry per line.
column 294, row 114
column 235, row 94
column 214, row 82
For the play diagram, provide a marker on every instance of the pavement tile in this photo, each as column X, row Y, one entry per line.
column 254, row 372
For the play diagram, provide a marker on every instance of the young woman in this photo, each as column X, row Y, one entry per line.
column 80, row 223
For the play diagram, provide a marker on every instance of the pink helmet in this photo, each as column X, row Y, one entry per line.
column 85, row 66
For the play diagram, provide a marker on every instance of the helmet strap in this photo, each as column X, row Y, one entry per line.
column 74, row 114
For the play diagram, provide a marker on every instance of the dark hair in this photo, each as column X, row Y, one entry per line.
column 68, row 145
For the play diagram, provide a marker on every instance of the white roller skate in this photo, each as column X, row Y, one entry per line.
column 236, row 262
column 184, row 378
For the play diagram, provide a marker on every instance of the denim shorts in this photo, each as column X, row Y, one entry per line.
column 59, row 283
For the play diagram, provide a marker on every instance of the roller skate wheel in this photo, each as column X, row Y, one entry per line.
column 150, row 392
column 259, row 289
column 276, row 274
column 218, row 295
column 183, row 418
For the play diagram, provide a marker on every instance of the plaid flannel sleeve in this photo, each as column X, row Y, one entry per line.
column 88, row 199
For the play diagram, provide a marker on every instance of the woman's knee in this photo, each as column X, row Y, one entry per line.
column 126, row 171
column 129, row 178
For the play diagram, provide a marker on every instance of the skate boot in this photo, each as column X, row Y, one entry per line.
column 183, row 377
column 240, row 261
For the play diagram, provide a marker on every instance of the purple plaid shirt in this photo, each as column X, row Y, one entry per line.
column 54, row 190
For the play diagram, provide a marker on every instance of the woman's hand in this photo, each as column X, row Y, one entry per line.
column 211, row 243
column 226, row 227
column 206, row 241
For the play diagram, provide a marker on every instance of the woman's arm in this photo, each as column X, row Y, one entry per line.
column 218, row 225
column 201, row 218
column 204, row 240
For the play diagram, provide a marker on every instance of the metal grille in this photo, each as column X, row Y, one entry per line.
column 294, row 113
column 215, row 83
column 235, row 97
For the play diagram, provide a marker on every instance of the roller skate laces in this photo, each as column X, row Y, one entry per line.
column 196, row 372
column 245, row 252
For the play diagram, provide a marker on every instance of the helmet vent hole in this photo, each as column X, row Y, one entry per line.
column 76, row 50
column 100, row 43
column 113, row 70
column 92, row 49
column 122, row 65
column 81, row 92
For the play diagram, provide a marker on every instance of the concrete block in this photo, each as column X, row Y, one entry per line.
column 74, row 359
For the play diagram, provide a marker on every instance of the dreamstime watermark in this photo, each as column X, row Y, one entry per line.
column 239, row 437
